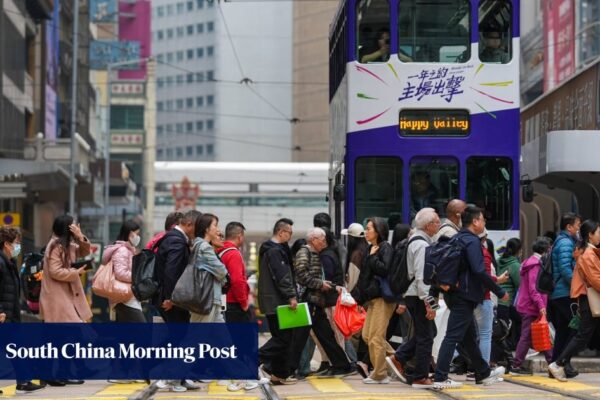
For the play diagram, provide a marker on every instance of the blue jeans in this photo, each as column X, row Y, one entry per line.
column 307, row 354
column 461, row 329
column 484, row 317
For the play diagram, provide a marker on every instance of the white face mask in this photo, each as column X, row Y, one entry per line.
column 135, row 240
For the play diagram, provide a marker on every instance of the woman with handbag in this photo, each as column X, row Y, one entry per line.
column 204, row 258
column 376, row 264
column 531, row 304
column 121, row 254
column 585, row 287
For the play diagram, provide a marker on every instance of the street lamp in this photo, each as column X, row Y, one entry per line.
column 107, row 144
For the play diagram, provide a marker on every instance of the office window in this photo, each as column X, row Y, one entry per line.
column 210, row 75
column 190, row 77
column 169, row 57
column 160, row 57
column 159, row 154
column 210, row 125
column 169, row 128
column 199, row 101
column 180, row 79
column 180, row 31
column 160, row 11
column 210, row 26
column 170, row 33
column 199, row 126
column 200, row 4
column 210, row 51
column 169, row 105
column 199, row 76
column 189, row 127
column 210, row 100
column 190, row 54
column 189, row 151
column 180, row 8
column 126, row 117
column 179, row 127
column 199, row 150
column 190, row 5
column 160, row 106
column 170, row 9
column 199, row 28
column 189, row 102
column 169, row 80
column 169, row 153
column 180, row 55
column 160, row 35
column 199, row 52
column 179, row 152
column 190, row 30
column 179, row 104
column 210, row 149
column 160, row 130
column 160, row 82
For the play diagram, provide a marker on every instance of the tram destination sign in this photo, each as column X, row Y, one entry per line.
column 434, row 122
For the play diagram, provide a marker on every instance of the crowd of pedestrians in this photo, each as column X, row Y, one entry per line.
column 442, row 323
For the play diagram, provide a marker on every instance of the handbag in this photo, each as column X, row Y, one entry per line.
column 106, row 285
column 194, row 290
column 575, row 321
column 593, row 297
column 540, row 334
column 386, row 291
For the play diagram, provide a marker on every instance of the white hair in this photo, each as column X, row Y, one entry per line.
column 425, row 216
column 314, row 233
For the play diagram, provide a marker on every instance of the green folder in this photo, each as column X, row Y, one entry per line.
column 289, row 318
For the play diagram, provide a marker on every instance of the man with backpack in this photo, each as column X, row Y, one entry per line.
column 464, row 288
column 452, row 224
column 416, row 297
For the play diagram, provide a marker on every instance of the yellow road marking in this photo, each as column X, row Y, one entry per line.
column 123, row 389
column 8, row 390
column 331, row 385
column 552, row 383
column 516, row 395
column 465, row 388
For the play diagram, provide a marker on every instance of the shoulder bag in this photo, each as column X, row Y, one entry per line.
column 194, row 290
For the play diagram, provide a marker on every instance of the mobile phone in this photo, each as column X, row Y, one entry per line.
column 88, row 264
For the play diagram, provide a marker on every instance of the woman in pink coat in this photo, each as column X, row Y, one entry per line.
column 121, row 253
column 62, row 298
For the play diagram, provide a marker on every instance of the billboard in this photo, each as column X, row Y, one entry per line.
column 559, row 41
column 52, row 44
column 135, row 20
column 103, row 10
column 104, row 52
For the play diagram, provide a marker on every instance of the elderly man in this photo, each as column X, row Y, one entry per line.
column 419, row 346
column 452, row 224
column 309, row 274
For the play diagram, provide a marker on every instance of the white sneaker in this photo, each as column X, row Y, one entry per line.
column 190, row 385
column 531, row 353
column 557, row 372
column 447, row 384
column 178, row 388
column 371, row 381
column 224, row 382
column 494, row 377
column 161, row 384
column 245, row 385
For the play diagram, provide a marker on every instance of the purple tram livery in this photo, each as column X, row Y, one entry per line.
column 424, row 107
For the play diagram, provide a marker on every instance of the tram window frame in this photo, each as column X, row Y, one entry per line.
column 377, row 23
column 439, row 204
column 422, row 51
column 498, row 24
column 478, row 185
column 390, row 201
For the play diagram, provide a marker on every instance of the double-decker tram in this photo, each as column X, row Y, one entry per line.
column 424, row 105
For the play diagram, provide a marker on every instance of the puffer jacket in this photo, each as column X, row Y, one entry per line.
column 587, row 271
column 377, row 264
column 563, row 264
column 530, row 301
column 121, row 253
column 9, row 289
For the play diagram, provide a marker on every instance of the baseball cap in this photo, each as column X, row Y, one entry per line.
column 355, row 230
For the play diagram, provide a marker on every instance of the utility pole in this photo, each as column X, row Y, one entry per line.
column 73, row 107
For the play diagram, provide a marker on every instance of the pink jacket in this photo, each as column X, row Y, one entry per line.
column 62, row 298
column 530, row 301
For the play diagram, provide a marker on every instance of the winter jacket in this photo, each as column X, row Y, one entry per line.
column 529, row 300
column 512, row 265
column 310, row 276
column 334, row 272
column 62, row 298
column 9, row 289
column 121, row 253
column 206, row 259
column 276, row 284
column 172, row 258
column 563, row 264
column 234, row 262
column 377, row 264
column 473, row 279
column 587, row 272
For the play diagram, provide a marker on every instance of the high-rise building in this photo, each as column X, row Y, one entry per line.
column 223, row 80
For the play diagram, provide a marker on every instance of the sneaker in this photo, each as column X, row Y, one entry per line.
column 337, row 373
column 424, row 383
column 323, row 367
column 190, row 385
column 74, row 382
column 298, row 377
column 29, row 387
column 494, row 376
column 471, row 376
column 531, row 353
column 161, row 384
column 447, row 384
column 223, row 382
column 281, row 381
column 264, row 371
column 570, row 371
column 362, row 369
column 177, row 388
column 242, row 385
column 371, row 381
column 54, row 383
column 397, row 368
column 557, row 372
column 321, row 372
column 519, row 371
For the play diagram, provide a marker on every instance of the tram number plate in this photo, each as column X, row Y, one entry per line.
column 434, row 122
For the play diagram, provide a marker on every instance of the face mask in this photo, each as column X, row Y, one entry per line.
column 16, row 250
column 135, row 240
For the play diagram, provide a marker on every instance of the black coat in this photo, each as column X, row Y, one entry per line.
column 374, row 265
column 10, row 287
column 276, row 283
column 334, row 272
column 172, row 258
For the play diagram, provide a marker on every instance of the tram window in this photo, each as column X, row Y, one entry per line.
column 373, row 36
column 495, row 45
column 433, row 182
column 430, row 31
column 489, row 186
column 378, row 187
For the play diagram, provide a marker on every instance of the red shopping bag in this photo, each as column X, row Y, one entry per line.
column 349, row 319
column 540, row 334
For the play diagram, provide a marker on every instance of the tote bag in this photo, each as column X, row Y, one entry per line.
column 106, row 285
column 194, row 290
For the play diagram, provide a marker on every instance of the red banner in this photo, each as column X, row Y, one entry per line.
column 559, row 42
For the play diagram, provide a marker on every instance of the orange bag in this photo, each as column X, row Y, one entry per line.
column 349, row 319
column 540, row 334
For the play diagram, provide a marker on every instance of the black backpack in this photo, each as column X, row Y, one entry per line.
column 443, row 262
column 31, row 279
column 144, row 284
column 398, row 273
column 544, row 282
